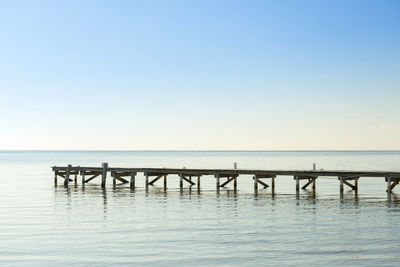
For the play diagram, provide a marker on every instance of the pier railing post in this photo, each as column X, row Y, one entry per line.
column 104, row 175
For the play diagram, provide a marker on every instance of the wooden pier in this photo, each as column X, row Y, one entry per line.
column 223, row 177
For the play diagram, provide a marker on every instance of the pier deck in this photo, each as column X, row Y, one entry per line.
column 345, row 177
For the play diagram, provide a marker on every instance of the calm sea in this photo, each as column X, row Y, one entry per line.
column 45, row 225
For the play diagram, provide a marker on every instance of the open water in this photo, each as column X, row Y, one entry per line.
column 43, row 225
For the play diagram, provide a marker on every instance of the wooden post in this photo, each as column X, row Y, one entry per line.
column 147, row 181
column 83, row 178
column 198, row 182
column 255, row 179
column 55, row 178
column 67, row 174
column 313, row 185
column 133, row 180
column 273, row 185
column 218, row 182
column 341, row 185
column 356, row 184
column 114, row 175
column 389, row 184
column 297, row 184
column 76, row 179
column 235, row 184
column 181, row 181
column 104, row 175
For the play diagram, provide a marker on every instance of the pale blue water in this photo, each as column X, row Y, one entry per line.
column 44, row 225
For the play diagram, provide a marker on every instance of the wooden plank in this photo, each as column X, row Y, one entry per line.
column 349, row 184
column 91, row 178
column 310, row 181
column 228, row 181
column 394, row 184
column 264, row 184
column 222, row 172
column 187, row 180
column 155, row 179
column 63, row 176
column 122, row 180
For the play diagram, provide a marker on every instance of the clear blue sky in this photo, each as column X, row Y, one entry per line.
column 200, row 74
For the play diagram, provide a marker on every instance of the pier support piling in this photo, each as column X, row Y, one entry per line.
column 217, row 182
column 104, row 175
column 132, row 185
column 83, row 178
column 67, row 174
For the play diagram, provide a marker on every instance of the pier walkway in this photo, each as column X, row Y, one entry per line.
column 223, row 177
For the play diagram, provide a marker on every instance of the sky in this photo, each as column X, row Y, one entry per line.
column 200, row 75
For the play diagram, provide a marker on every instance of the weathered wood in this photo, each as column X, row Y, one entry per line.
column 341, row 185
column 262, row 183
column 104, row 175
column 147, row 180
column 349, row 184
column 68, row 171
column 334, row 173
column 389, row 184
column 124, row 181
column 228, row 181
column 63, row 176
column 310, row 181
column 83, row 178
column 165, row 182
column 187, row 180
column 133, row 175
column 155, row 179
column 392, row 178
column 273, row 185
column 255, row 179
column 181, row 181
column 217, row 178
column 114, row 176
column 91, row 178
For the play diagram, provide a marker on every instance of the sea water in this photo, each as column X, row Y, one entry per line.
column 42, row 224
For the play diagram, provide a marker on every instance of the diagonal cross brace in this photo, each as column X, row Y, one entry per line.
column 310, row 181
column 228, row 181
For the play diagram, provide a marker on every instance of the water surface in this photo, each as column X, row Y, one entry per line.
column 45, row 225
